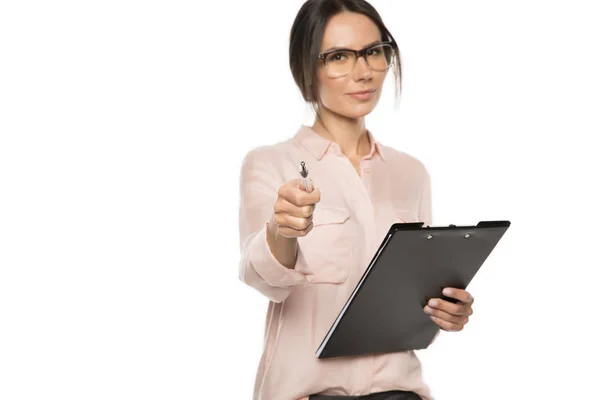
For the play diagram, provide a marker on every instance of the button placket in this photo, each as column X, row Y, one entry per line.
column 365, row 169
column 366, row 213
column 365, row 174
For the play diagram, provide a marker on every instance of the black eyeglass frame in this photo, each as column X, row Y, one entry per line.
column 358, row 54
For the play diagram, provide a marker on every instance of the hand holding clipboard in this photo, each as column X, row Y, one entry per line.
column 412, row 266
column 451, row 315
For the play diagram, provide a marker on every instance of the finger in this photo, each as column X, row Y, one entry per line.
column 302, row 186
column 447, row 326
column 445, row 316
column 284, row 206
column 285, row 220
column 312, row 197
column 458, row 294
column 293, row 233
column 451, row 308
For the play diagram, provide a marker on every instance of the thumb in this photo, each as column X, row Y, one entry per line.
column 303, row 187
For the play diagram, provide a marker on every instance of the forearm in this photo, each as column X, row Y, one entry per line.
column 285, row 250
column 260, row 269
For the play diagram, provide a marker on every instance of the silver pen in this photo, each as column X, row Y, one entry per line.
column 304, row 174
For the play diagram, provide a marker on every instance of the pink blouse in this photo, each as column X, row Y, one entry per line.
column 350, row 221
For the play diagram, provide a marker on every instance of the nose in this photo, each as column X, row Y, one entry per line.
column 362, row 70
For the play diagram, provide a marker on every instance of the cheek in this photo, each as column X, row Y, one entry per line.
column 332, row 91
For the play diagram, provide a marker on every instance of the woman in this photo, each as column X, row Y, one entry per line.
column 306, row 250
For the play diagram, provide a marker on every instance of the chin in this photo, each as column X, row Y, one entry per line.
column 359, row 111
column 352, row 111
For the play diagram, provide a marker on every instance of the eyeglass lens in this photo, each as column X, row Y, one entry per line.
column 342, row 62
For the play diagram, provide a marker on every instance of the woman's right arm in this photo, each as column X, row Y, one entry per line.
column 268, row 260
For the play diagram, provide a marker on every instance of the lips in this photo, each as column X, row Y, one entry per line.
column 362, row 91
column 362, row 94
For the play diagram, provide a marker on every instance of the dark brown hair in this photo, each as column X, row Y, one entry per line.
column 307, row 34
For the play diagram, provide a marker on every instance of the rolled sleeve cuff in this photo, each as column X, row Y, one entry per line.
column 268, row 267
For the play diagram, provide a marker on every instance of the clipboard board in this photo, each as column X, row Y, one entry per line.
column 384, row 313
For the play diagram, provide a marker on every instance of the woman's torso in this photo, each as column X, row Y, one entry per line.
column 352, row 217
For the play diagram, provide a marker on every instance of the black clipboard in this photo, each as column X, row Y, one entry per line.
column 384, row 313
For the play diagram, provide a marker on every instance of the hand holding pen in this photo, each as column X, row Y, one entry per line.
column 293, row 210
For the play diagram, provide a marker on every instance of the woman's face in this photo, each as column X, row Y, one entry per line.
column 352, row 31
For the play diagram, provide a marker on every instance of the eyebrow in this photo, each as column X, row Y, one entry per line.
column 346, row 48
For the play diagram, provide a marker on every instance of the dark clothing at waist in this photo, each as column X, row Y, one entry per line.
column 391, row 395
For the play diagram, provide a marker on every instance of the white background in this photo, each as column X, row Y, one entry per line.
column 123, row 125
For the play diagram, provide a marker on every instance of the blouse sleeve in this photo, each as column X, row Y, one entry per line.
column 258, row 267
column 425, row 213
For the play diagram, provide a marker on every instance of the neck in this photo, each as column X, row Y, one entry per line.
column 349, row 133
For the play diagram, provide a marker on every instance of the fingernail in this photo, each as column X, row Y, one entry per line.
column 428, row 310
column 433, row 303
column 447, row 292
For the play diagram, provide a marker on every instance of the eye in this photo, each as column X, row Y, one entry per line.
column 374, row 51
column 338, row 56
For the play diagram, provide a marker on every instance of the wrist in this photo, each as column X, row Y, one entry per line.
column 273, row 232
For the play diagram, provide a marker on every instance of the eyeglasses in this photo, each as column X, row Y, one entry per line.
column 340, row 62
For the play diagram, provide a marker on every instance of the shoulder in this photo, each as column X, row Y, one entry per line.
column 265, row 154
column 403, row 161
column 267, row 161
